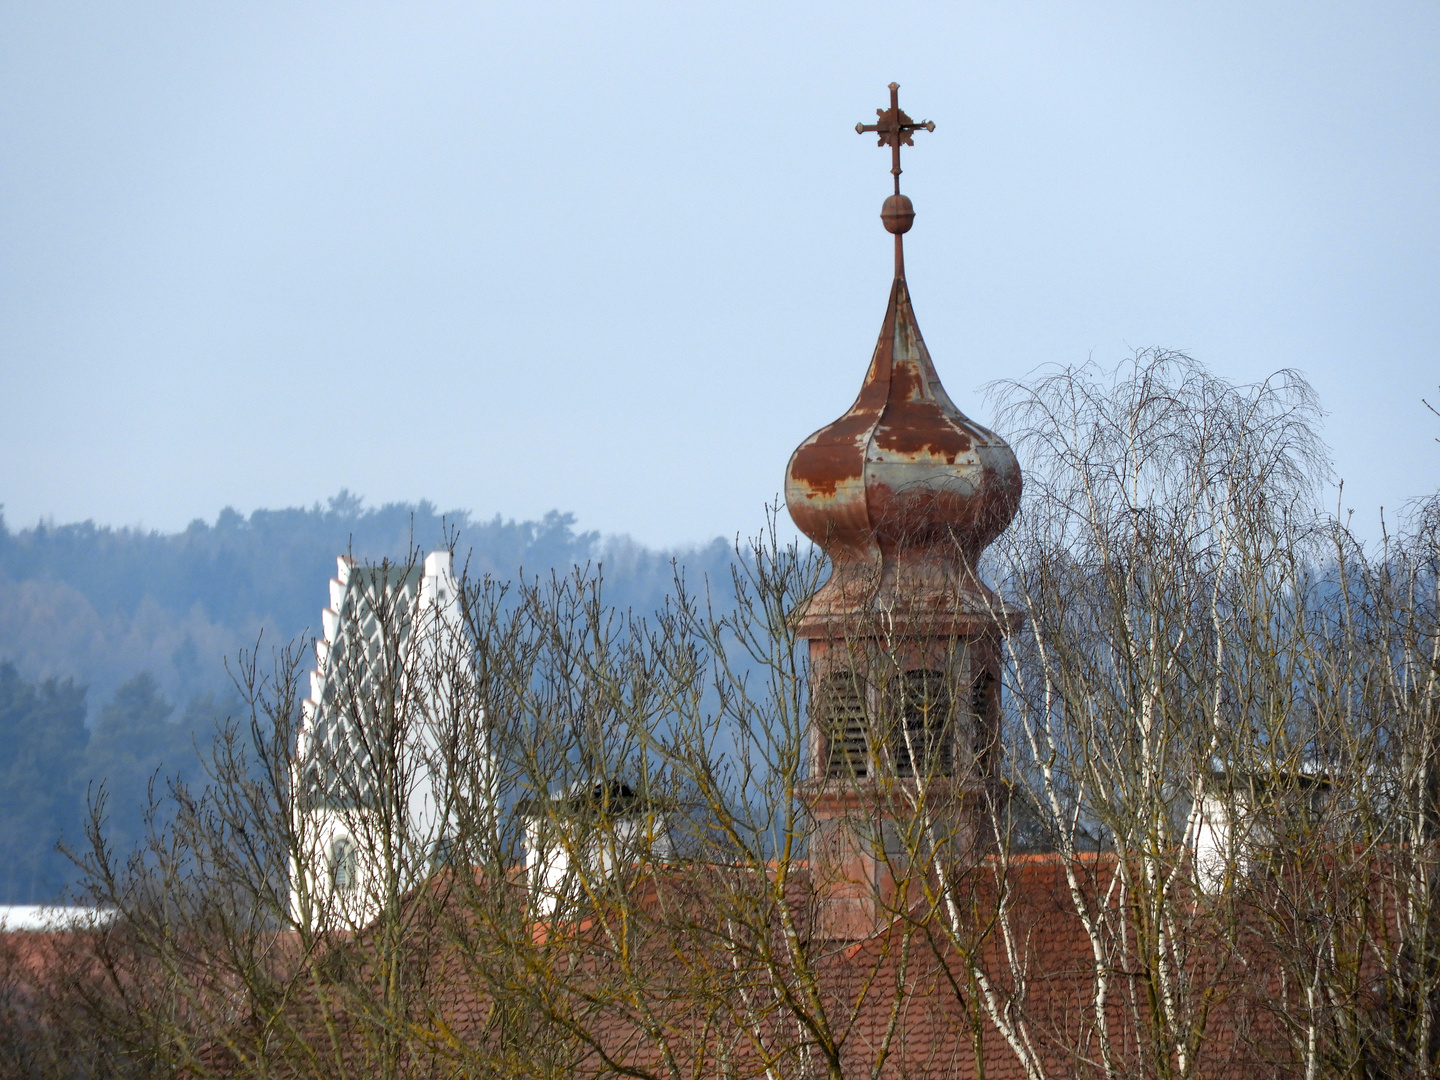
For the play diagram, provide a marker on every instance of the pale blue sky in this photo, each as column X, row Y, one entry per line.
column 619, row 259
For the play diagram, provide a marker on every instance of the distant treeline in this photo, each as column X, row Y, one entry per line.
column 53, row 764
column 113, row 642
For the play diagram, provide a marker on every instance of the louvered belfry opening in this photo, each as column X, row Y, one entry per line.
column 844, row 720
column 984, row 731
column 923, row 726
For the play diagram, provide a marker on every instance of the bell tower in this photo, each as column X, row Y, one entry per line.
column 902, row 493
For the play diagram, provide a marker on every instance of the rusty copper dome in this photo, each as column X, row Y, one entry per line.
column 903, row 491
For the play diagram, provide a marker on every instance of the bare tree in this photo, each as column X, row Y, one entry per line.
column 1164, row 510
column 666, row 925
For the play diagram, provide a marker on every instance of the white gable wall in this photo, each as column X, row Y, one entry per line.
column 386, row 632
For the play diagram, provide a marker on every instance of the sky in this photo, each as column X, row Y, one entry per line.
column 619, row 259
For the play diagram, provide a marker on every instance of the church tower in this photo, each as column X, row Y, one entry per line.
column 902, row 493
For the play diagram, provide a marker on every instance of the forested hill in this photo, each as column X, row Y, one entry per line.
column 113, row 641
column 101, row 604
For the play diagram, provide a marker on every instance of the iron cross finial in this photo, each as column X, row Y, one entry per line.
column 894, row 128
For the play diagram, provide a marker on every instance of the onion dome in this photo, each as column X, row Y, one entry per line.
column 903, row 492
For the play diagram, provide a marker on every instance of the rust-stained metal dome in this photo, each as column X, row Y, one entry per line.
column 904, row 491
column 903, row 467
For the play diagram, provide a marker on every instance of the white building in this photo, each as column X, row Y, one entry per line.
column 1231, row 827
column 577, row 840
column 391, row 741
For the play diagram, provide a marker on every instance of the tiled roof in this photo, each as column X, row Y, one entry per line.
column 901, row 1000
column 623, row 986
